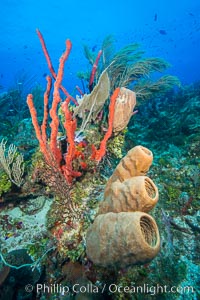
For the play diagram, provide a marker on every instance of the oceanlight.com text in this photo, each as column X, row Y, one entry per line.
column 150, row 289
column 111, row 289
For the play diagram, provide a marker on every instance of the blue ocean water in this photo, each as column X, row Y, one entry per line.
column 167, row 29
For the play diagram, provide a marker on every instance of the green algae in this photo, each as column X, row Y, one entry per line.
column 5, row 183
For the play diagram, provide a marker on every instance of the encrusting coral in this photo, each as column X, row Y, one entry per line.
column 123, row 234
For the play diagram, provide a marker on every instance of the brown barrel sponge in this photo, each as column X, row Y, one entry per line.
column 134, row 194
column 122, row 239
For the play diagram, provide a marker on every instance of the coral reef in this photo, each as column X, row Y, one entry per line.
column 81, row 207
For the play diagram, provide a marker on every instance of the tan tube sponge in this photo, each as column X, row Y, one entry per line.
column 123, row 234
column 122, row 239
column 135, row 194
column 136, row 162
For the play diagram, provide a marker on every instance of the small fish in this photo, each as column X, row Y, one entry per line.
column 19, row 225
column 162, row 31
column 9, row 235
column 155, row 17
column 94, row 48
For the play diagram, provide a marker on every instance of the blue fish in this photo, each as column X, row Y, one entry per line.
column 162, row 31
